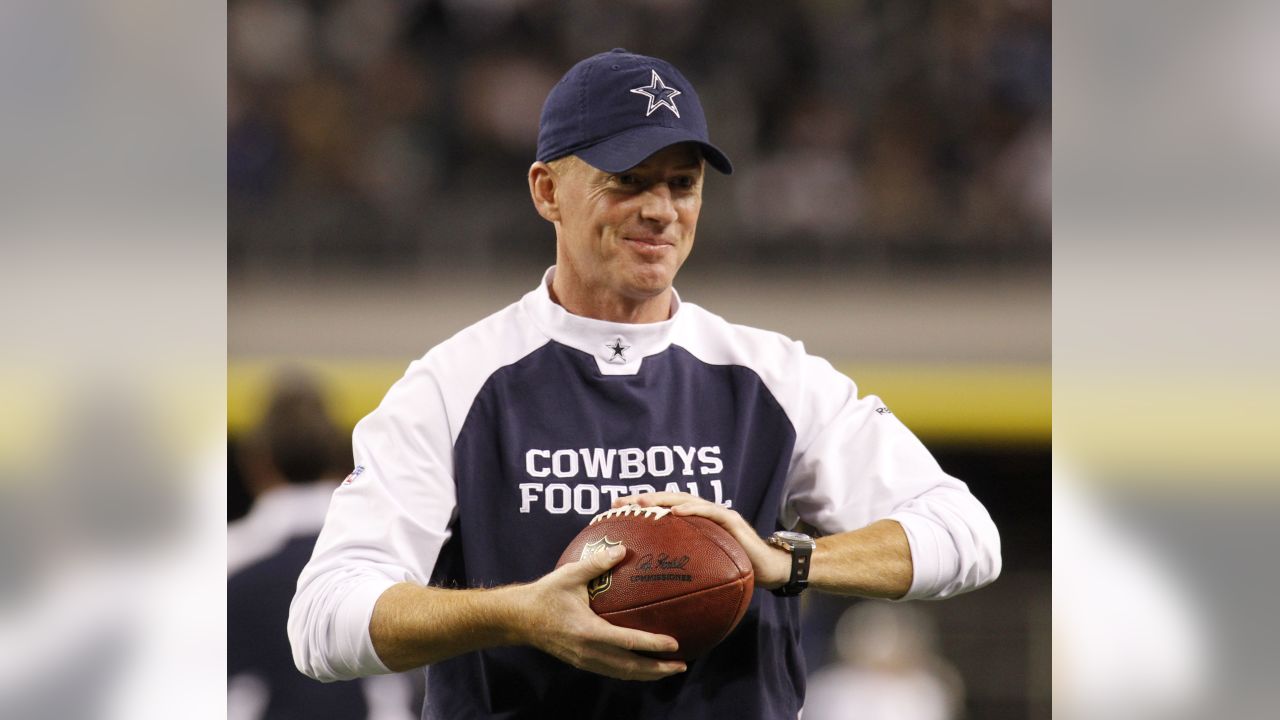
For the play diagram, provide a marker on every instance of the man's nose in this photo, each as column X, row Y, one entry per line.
column 657, row 205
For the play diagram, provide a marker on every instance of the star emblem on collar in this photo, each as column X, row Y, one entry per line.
column 659, row 94
column 618, row 349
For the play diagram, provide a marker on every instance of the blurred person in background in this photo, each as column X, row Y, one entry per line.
column 887, row 669
column 290, row 465
column 434, row 551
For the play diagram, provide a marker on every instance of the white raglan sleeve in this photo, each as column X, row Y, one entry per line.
column 856, row 463
column 384, row 526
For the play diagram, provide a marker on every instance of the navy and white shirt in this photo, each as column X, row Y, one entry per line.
column 266, row 550
column 500, row 444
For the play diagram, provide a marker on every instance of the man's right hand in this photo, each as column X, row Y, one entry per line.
column 414, row 626
column 556, row 618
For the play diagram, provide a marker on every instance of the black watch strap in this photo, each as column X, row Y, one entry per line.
column 801, row 554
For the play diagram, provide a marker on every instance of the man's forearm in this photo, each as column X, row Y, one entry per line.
column 874, row 561
column 414, row 626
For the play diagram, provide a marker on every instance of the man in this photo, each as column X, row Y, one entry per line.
column 597, row 388
column 290, row 466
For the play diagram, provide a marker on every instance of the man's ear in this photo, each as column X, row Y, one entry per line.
column 543, row 182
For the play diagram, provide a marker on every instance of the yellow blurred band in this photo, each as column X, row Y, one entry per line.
column 944, row 402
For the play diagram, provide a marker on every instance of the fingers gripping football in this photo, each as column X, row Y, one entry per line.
column 771, row 565
column 562, row 624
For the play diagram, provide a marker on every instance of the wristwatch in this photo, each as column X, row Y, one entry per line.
column 800, row 546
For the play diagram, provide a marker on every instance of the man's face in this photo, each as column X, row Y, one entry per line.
column 629, row 232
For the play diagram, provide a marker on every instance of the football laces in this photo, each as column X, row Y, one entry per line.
column 650, row 512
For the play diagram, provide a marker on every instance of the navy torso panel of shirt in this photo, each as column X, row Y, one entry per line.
column 258, row 599
column 549, row 442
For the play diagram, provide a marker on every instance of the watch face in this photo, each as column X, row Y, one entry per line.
column 793, row 537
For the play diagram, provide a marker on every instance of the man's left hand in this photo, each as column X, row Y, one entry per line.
column 771, row 565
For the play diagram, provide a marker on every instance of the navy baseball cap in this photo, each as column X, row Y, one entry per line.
column 617, row 108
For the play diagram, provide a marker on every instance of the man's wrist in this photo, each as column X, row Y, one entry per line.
column 799, row 547
column 779, row 569
column 505, row 614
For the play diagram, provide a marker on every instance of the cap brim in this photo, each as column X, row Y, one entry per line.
column 628, row 149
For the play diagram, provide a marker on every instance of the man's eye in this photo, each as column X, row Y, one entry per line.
column 628, row 179
column 683, row 182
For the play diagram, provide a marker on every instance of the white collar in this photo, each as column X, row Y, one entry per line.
column 619, row 348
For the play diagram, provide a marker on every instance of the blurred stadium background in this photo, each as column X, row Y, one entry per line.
column 891, row 209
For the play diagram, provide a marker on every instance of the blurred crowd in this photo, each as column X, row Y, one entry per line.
column 396, row 134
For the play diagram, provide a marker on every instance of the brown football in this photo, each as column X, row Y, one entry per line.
column 682, row 576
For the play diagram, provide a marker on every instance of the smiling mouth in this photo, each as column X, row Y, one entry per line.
column 649, row 249
column 648, row 242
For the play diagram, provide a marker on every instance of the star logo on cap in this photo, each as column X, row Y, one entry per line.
column 619, row 349
column 659, row 94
